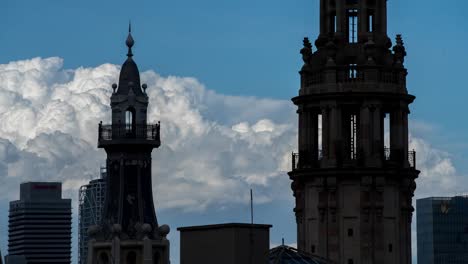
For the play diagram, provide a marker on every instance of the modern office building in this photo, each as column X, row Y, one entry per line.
column 442, row 230
column 91, row 205
column 353, row 190
column 40, row 224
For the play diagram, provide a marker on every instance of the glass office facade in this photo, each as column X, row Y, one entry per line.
column 442, row 230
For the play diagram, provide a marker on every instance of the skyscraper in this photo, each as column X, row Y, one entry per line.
column 353, row 190
column 40, row 224
column 442, row 228
column 91, row 205
column 129, row 232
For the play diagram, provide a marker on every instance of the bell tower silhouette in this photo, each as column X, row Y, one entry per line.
column 354, row 176
column 129, row 232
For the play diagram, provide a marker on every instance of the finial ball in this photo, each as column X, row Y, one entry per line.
column 114, row 86
column 144, row 86
column 164, row 230
column 130, row 42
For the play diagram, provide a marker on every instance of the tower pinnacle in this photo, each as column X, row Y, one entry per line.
column 130, row 42
column 129, row 232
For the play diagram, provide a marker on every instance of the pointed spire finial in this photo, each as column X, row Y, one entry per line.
column 130, row 42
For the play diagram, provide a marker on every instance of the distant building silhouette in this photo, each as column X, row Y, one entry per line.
column 225, row 243
column 288, row 255
column 129, row 232
column 442, row 230
column 40, row 225
column 91, row 206
column 353, row 190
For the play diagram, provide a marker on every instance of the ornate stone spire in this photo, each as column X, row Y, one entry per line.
column 129, row 74
column 130, row 42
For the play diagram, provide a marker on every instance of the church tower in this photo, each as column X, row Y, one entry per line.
column 354, row 176
column 129, row 232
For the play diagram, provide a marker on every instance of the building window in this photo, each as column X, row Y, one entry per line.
column 130, row 119
column 386, row 130
column 390, row 248
column 352, row 25
column 312, row 248
column 334, row 24
column 350, row 261
column 350, row 232
column 320, row 135
column 353, row 139
column 352, row 71
column 370, row 25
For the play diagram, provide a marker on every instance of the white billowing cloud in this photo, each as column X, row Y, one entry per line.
column 48, row 132
column 438, row 176
column 214, row 146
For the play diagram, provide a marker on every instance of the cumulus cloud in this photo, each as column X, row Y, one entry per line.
column 214, row 146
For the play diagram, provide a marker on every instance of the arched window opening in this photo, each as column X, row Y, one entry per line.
column 103, row 258
column 131, row 257
column 130, row 120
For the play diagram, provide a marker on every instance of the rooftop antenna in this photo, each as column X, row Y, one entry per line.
column 251, row 227
column 251, row 207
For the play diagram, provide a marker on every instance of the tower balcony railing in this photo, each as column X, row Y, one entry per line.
column 357, row 74
column 296, row 158
column 411, row 157
column 127, row 131
column 299, row 161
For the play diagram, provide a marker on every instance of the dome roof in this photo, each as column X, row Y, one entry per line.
column 286, row 255
column 129, row 78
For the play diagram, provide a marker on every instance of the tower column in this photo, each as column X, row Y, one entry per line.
column 398, row 132
column 325, row 133
column 362, row 15
column 323, row 17
column 340, row 17
column 310, row 137
column 365, row 144
column 336, row 141
column 381, row 19
column 377, row 135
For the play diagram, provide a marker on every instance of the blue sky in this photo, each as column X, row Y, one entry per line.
column 237, row 47
column 247, row 48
